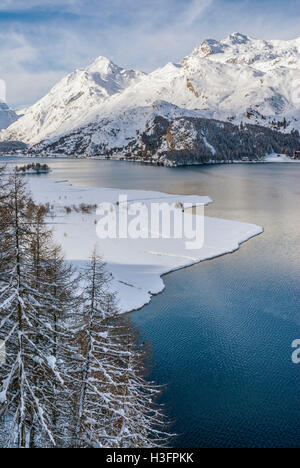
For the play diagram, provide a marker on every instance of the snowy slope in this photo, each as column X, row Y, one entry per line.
column 7, row 115
column 244, row 50
column 73, row 101
column 236, row 79
column 170, row 135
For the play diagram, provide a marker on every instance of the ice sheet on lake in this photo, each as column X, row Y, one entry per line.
column 136, row 265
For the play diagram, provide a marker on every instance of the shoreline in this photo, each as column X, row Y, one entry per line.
column 271, row 158
column 193, row 264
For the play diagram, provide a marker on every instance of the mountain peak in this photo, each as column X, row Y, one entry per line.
column 221, row 78
column 76, row 99
column 104, row 66
column 213, row 46
column 238, row 38
column 240, row 49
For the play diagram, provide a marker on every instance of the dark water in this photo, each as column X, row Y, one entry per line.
column 222, row 331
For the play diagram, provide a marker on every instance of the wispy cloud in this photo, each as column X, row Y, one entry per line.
column 20, row 5
column 42, row 41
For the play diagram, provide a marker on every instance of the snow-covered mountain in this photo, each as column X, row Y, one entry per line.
column 169, row 135
column 7, row 115
column 76, row 99
column 238, row 79
column 241, row 49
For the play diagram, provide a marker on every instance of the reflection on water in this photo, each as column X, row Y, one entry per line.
column 222, row 331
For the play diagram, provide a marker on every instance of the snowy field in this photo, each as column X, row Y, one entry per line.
column 135, row 265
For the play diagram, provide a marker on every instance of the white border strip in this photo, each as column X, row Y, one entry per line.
column 2, row 90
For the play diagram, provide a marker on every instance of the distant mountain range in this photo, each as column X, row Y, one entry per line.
column 7, row 115
column 110, row 111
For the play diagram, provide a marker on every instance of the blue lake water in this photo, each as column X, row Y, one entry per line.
column 221, row 332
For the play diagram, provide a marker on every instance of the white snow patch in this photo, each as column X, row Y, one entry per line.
column 135, row 265
column 209, row 146
column 279, row 158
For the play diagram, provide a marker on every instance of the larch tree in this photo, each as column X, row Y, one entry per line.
column 139, row 421
column 115, row 405
column 64, row 289
column 91, row 335
column 30, row 372
column 72, row 375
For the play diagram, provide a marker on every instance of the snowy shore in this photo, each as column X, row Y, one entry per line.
column 136, row 265
column 268, row 158
column 279, row 158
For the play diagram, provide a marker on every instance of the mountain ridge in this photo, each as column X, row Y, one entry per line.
column 168, row 135
column 239, row 79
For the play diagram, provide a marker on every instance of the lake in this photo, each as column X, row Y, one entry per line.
column 221, row 332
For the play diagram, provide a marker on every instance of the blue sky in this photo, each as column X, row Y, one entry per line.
column 41, row 41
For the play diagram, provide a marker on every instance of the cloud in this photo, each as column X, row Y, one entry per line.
column 194, row 11
column 19, row 5
column 23, row 85
column 40, row 42
column 34, row 56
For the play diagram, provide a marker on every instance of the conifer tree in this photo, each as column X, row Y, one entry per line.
column 30, row 371
column 72, row 375
column 91, row 339
column 64, row 309
column 139, row 421
column 115, row 406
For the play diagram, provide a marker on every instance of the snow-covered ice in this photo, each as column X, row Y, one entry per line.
column 136, row 265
